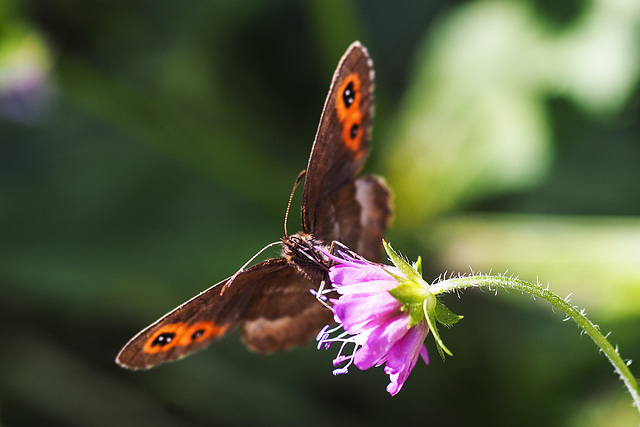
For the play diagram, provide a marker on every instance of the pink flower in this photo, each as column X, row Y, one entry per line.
column 377, row 324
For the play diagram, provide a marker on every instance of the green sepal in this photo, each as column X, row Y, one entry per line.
column 430, row 308
column 413, row 292
column 418, row 265
column 446, row 316
column 405, row 268
column 409, row 293
column 416, row 314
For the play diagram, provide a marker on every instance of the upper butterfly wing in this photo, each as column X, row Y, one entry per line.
column 204, row 318
column 342, row 141
column 357, row 214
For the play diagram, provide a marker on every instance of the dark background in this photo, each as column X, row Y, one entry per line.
column 148, row 148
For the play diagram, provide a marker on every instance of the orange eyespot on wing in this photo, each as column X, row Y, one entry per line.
column 349, row 112
column 181, row 334
column 201, row 331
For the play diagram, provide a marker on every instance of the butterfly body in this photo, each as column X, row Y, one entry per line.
column 270, row 301
column 301, row 251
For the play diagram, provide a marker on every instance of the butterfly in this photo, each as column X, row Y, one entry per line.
column 271, row 301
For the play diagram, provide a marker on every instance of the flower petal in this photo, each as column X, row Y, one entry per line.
column 424, row 354
column 402, row 357
column 381, row 340
column 368, row 288
column 344, row 274
column 357, row 312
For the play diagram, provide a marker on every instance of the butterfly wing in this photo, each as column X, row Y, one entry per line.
column 334, row 206
column 204, row 318
column 283, row 313
column 342, row 141
column 357, row 214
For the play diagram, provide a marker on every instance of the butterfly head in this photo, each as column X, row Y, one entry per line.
column 303, row 251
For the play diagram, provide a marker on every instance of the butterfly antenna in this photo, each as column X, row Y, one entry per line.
column 226, row 285
column 286, row 215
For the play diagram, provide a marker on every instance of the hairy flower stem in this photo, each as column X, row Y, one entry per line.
column 493, row 282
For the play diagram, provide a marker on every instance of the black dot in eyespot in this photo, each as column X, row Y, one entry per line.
column 197, row 334
column 349, row 95
column 354, row 130
column 163, row 339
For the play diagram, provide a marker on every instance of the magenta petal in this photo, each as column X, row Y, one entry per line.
column 373, row 302
column 357, row 313
column 381, row 340
column 424, row 354
column 394, row 385
column 403, row 357
column 356, row 308
column 368, row 288
column 342, row 274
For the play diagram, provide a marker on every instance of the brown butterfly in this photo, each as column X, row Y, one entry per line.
column 271, row 301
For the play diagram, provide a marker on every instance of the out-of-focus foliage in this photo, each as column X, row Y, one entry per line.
column 476, row 104
column 147, row 150
column 25, row 62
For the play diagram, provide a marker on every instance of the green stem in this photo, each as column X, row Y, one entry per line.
column 493, row 282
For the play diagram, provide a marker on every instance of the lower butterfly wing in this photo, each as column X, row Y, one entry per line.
column 283, row 313
column 204, row 318
column 357, row 215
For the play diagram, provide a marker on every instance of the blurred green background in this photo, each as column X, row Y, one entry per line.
column 148, row 148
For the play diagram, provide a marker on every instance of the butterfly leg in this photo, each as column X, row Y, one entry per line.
column 338, row 245
column 319, row 294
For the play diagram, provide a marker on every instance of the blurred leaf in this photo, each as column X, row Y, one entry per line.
column 25, row 63
column 473, row 122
